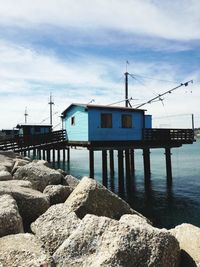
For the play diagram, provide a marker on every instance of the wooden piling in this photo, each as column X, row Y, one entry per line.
column 120, row 172
column 63, row 155
column 43, row 154
column 91, row 163
column 104, row 168
column 111, row 154
column 68, row 155
column 127, row 164
column 58, row 155
column 53, row 155
column 39, row 153
column 48, row 155
column 168, row 165
column 147, row 168
column 132, row 160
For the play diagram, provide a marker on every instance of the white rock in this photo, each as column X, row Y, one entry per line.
column 10, row 219
column 188, row 237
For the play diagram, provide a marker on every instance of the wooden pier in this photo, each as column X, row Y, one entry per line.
column 54, row 146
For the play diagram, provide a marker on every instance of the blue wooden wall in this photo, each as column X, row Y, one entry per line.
column 148, row 121
column 96, row 133
column 79, row 131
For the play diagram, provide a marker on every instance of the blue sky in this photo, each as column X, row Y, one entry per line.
column 78, row 51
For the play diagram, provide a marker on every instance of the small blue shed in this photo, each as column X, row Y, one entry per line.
column 88, row 123
column 32, row 129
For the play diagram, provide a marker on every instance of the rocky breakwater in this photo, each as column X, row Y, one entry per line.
column 48, row 218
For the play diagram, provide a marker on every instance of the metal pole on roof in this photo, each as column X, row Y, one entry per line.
column 126, row 89
column 25, row 115
column 51, row 114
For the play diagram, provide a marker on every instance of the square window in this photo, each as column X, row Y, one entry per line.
column 73, row 120
column 106, row 120
column 126, row 121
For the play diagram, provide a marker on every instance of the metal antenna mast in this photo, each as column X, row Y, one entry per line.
column 51, row 103
column 25, row 115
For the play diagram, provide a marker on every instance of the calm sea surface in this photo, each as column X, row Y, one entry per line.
column 165, row 206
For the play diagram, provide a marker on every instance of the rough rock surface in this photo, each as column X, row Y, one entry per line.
column 57, row 193
column 100, row 241
column 5, row 175
column 71, row 181
column 19, row 163
column 90, row 197
column 6, row 160
column 134, row 219
column 10, row 219
column 21, row 250
column 188, row 236
column 55, row 226
column 39, row 175
column 31, row 203
column 13, row 183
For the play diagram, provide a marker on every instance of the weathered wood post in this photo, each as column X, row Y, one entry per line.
column 168, row 165
column 53, row 154
column 43, row 154
column 91, row 163
column 132, row 160
column 63, row 155
column 104, row 168
column 127, row 164
column 39, row 154
column 48, row 155
column 58, row 159
column 120, row 172
column 111, row 163
column 68, row 155
column 146, row 161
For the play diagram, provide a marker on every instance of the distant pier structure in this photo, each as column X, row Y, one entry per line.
column 109, row 129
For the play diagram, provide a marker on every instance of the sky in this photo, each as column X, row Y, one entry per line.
column 77, row 50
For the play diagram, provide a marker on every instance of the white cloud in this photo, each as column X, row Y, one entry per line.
column 167, row 19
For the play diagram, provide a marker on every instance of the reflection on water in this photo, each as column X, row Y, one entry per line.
column 166, row 206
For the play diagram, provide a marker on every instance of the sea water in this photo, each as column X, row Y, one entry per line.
column 165, row 206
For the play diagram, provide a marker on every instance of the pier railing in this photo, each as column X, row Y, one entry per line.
column 167, row 135
column 19, row 143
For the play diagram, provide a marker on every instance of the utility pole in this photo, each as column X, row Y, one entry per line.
column 51, row 103
column 126, row 89
column 25, row 115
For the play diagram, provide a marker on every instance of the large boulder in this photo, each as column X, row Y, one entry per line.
column 10, row 219
column 7, row 160
column 22, row 250
column 101, row 241
column 188, row 236
column 71, row 181
column 31, row 203
column 57, row 193
column 93, row 198
column 18, row 163
column 55, row 226
column 39, row 175
column 5, row 175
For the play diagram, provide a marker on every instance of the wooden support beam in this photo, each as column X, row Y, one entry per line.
column 43, row 154
column 53, row 154
column 91, row 163
column 104, row 168
column 111, row 153
column 64, row 155
column 168, row 165
column 132, row 160
column 39, row 153
column 127, row 164
column 68, row 155
column 147, row 168
column 120, row 172
column 58, row 155
column 48, row 155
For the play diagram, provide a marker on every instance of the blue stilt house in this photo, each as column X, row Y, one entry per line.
column 96, row 123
